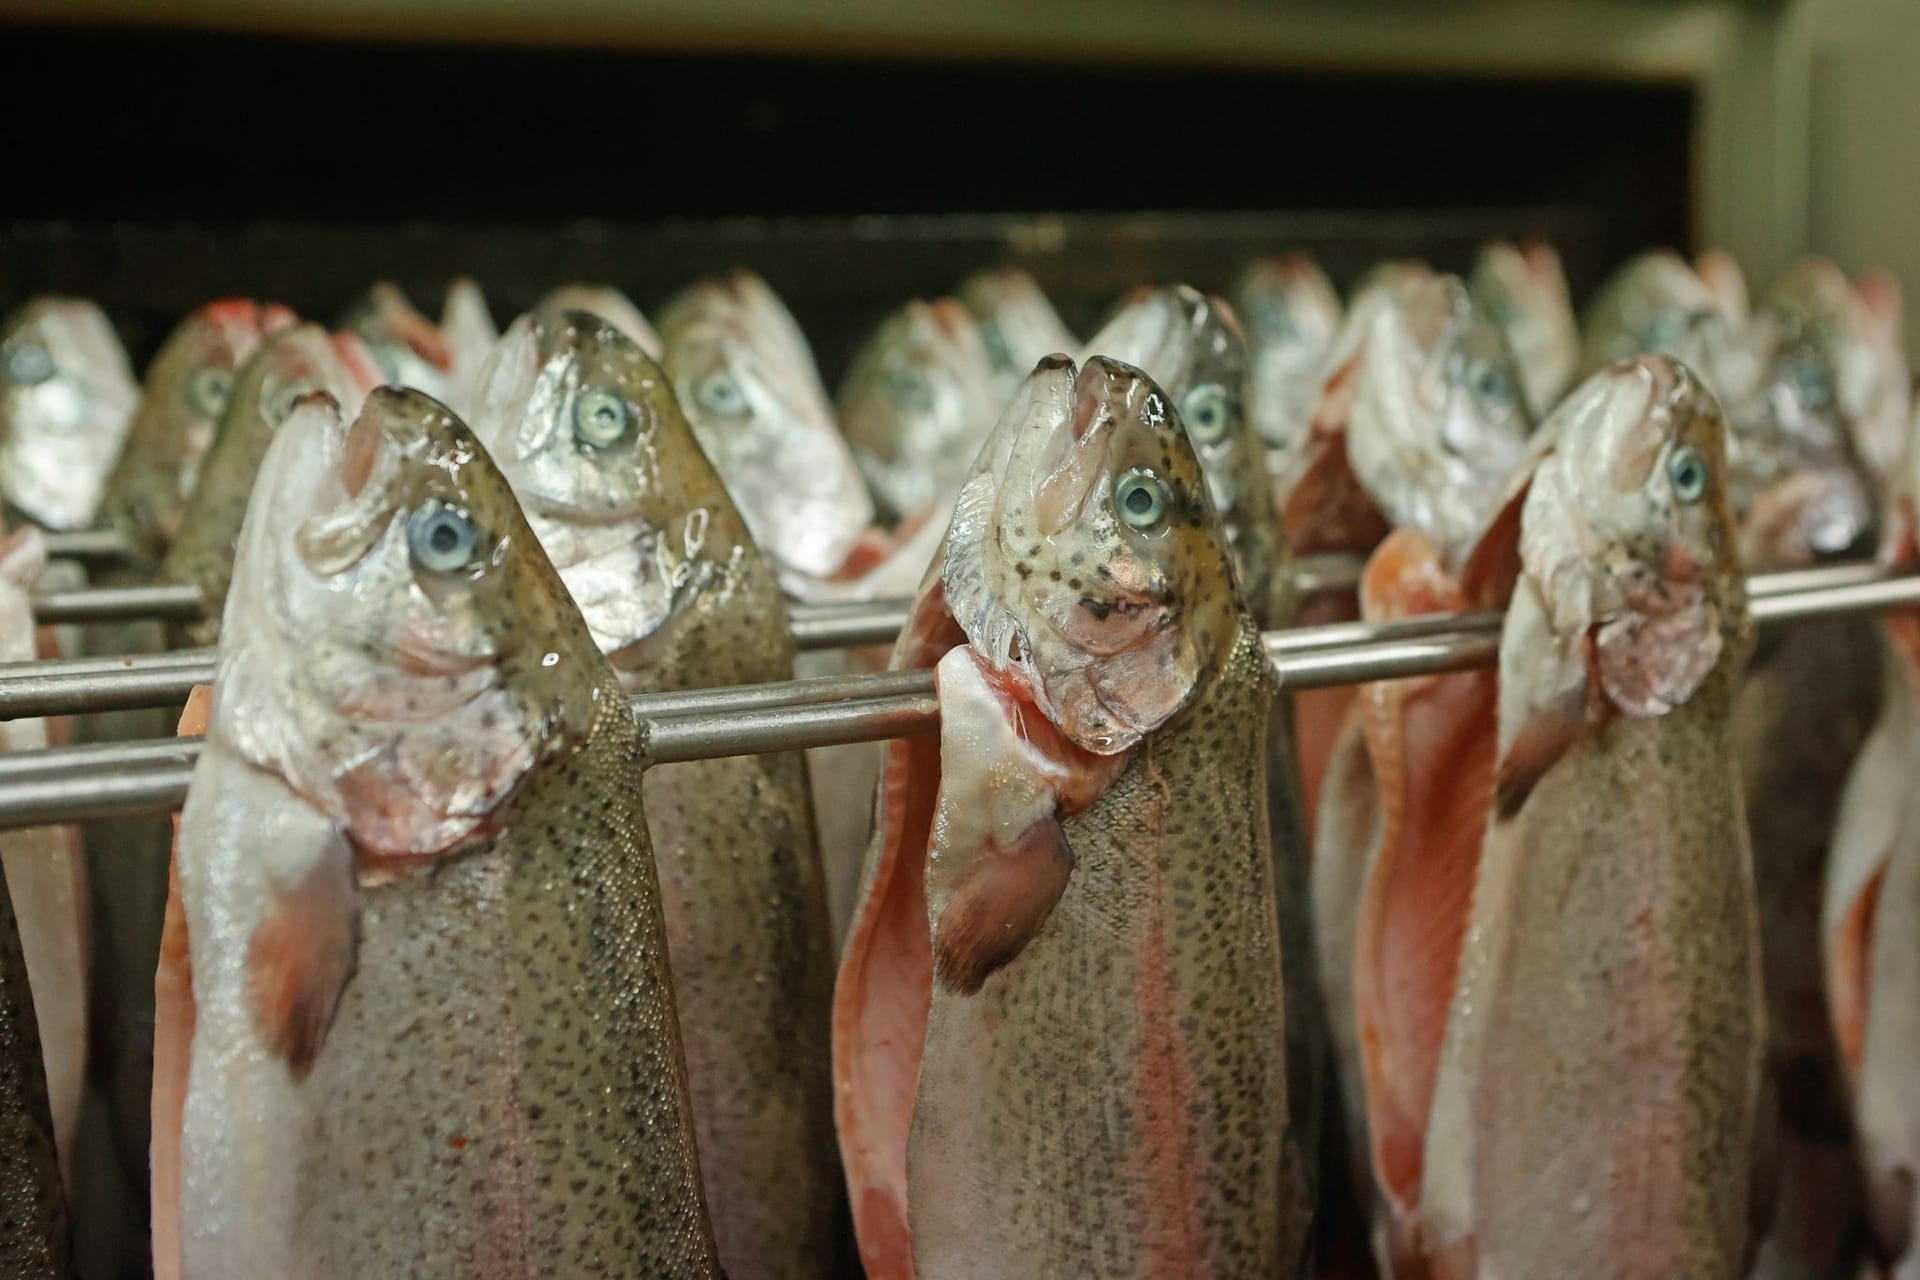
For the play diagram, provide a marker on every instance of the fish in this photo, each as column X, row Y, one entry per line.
column 1656, row 304
column 1858, row 327
column 1595, row 1108
column 289, row 365
column 409, row 348
column 1192, row 346
column 586, row 429
column 741, row 372
column 67, row 397
column 918, row 400
column 34, row 1242
column 1523, row 290
column 1291, row 315
column 185, row 392
column 1017, row 322
column 1077, row 863
column 45, row 872
column 1721, row 273
column 428, row 962
column 610, row 305
column 467, row 328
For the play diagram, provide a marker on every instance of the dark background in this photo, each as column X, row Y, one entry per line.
column 154, row 170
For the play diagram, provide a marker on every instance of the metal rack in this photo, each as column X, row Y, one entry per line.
column 69, row 784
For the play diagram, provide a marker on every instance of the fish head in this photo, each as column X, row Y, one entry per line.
column 1439, row 417
column 1192, row 346
column 469, row 331
column 1799, row 488
column 1291, row 316
column 1658, row 305
column 1084, row 558
column 395, row 644
column 918, row 400
column 1017, row 322
column 1523, row 291
column 765, row 424
column 609, row 304
column 410, row 349
column 586, row 428
column 292, row 364
column 67, row 397
column 1628, row 538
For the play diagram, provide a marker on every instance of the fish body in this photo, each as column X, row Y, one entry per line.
column 185, row 392
column 1291, row 315
column 428, row 961
column 1523, row 290
column 288, row 365
column 33, row 1208
column 1594, row 1111
column 1079, row 863
column 586, row 428
column 918, row 400
column 1018, row 325
column 67, row 398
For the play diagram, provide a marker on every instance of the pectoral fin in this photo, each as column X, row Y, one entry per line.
column 1547, row 735
column 301, row 957
column 998, row 905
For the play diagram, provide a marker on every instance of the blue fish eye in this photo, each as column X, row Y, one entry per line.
column 1814, row 383
column 1141, row 498
column 998, row 353
column 208, row 389
column 1490, row 385
column 1687, row 472
column 720, row 393
column 276, row 406
column 441, row 539
column 28, row 364
column 1207, row 413
column 600, row 417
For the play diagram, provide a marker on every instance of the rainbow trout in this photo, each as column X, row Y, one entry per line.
column 1595, row 1105
column 1078, row 865
column 66, row 400
column 1292, row 316
column 1018, row 325
column 429, row 966
column 288, row 366
column 1523, row 290
column 586, row 428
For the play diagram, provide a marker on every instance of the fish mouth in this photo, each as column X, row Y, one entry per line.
column 362, row 369
column 242, row 322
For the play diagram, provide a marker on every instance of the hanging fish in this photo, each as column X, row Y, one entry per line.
column 1077, row 865
column 67, row 398
column 1594, row 1111
column 918, row 400
column 609, row 304
column 467, row 328
column 1656, row 304
column 1292, row 316
column 409, row 348
column 1018, row 325
column 289, row 365
column 428, row 961
column 1523, row 290
column 586, row 429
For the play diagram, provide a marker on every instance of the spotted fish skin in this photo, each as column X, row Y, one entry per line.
column 1595, row 1108
column 1133, row 1055
column 33, row 1206
column 742, row 888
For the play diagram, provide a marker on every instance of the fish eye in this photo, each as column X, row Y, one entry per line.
column 600, row 417
column 910, row 388
column 1813, row 383
column 1490, row 385
column 207, row 390
column 276, row 406
column 1665, row 329
column 998, row 353
column 720, row 393
column 1141, row 498
column 1687, row 471
column 1207, row 413
column 28, row 364
column 441, row 539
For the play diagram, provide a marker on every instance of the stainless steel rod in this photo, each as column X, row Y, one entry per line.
column 158, row 602
column 86, row 544
column 74, row 686
column 73, row 783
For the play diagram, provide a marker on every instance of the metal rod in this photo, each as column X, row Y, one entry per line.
column 74, row 783
column 159, row 602
column 1315, row 574
column 86, row 544
column 75, row 686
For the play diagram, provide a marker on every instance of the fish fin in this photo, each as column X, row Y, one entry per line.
column 1546, row 736
column 1493, row 566
column 998, row 905
column 301, row 956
